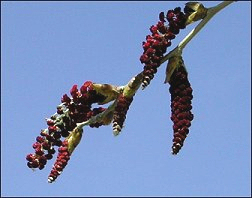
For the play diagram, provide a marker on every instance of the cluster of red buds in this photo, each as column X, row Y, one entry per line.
column 157, row 43
column 65, row 151
column 123, row 102
column 181, row 101
column 70, row 112
column 120, row 112
column 61, row 162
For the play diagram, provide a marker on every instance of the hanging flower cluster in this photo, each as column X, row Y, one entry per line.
column 123, row 102
column 181, row 101
column 71, row 111
column 65, row 151
column 120, row 112
column 61, row 162
column 157, row 43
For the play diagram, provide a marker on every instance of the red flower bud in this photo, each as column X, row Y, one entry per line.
column 65, row 99
column 40, row 139
column 162, row 16
column 30, row 157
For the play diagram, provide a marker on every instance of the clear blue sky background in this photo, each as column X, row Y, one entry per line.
column 49, row 46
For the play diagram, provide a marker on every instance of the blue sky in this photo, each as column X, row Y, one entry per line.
column 49, row 46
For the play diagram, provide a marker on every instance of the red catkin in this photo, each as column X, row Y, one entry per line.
column 181, row 99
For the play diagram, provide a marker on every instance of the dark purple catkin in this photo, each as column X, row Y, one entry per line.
column 61, row 161
column 181, row 105
column 120, row 112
